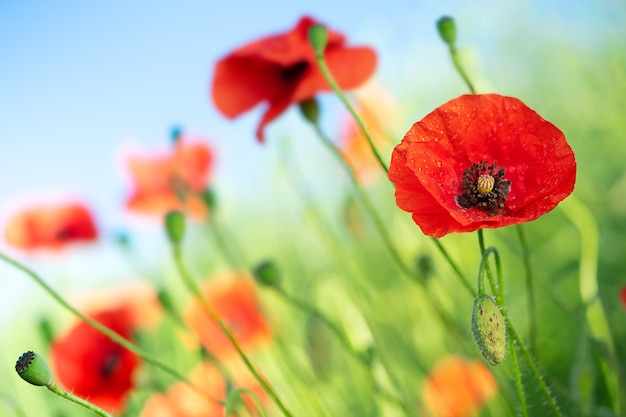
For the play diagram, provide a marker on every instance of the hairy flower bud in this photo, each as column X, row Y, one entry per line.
column 489, row 329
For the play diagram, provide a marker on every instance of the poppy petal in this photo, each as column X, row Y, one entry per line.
column 362, row 65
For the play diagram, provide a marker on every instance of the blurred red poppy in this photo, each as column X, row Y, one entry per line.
column 281, row 70
column 481, row 161
column 92, row 366
column 622, row 296
column 172, row 181
column 182, row 400
column 51, row 227
column 457, row 387
column 235, row 300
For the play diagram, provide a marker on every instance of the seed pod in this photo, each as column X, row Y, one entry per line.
column 32, row 368
column 489, row 329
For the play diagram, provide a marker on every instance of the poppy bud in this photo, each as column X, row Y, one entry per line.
column 447, row 30
column 175, row 226
column 310, row 110
column 267, row 273
column 318, row 37
column 32, row 368
column 209, row 199
column 489, row 329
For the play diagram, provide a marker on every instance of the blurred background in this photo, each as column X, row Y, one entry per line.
column 85, row 84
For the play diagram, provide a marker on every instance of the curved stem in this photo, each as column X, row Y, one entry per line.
column 73, row 398
column 195, row 290
column 145, row 356
column 588, row 284
column 484, row 265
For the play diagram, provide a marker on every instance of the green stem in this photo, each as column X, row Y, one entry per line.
column 195, row 290
column 530, row 289
column 335, row 87
column 378, row 223
column 145, row 356
column 516, row 341
column 588, row 284
column 454, row 266
column 321, row 62
column 483, row 267
column 518, row 379
column 302, row 190
column 533, row 368
column 459, row 68
column 73, row 398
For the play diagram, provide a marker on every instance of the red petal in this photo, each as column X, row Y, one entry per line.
column 350, row 66
column 239, row 84
column 622, row 296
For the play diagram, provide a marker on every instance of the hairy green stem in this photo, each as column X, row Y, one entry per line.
column 518, row 379
column 516, row 341
column 530, row 289
column 73, row 398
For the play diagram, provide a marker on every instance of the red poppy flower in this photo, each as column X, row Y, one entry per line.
column 458, row 388
column 92, row 366
column 622, row 296
column 481, row 161
column 235, row 300
column 281, row 70
column 51, row 227
column 172, row 181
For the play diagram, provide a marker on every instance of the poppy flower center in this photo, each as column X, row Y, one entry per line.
column 110, row 364
column 484, row 187
column 294, row 71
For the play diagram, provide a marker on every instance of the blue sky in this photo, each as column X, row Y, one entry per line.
column 80, row 80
